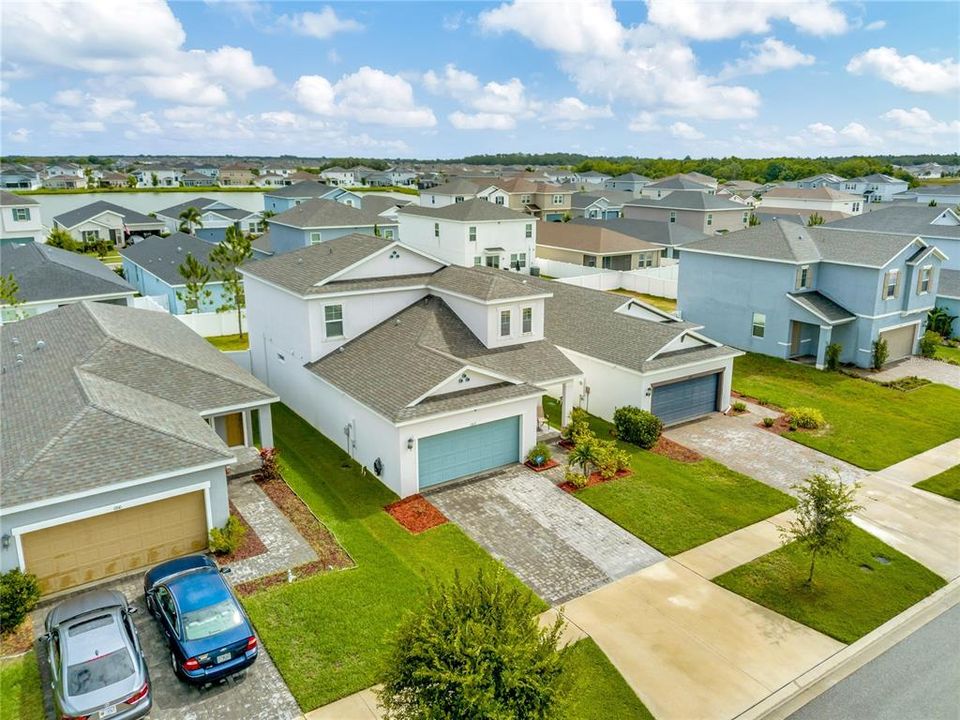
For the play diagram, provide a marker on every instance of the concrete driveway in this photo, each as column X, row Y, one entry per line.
column 257, row 694
column 933, row 370
column 691, row 649
column 553, row 542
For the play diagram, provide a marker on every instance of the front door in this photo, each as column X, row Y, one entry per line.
column 795, row 333
column 493, row 261
column 234, row 426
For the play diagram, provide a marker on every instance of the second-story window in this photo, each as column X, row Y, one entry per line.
column 558, row 199
column 891, row 284
column 528, row 230
column 746, row 218
column 709, row 219
column 436, row 230
column 21, row 214
column 504, row 323
column 458, row 198
column 526, row 320
column 803, row 277
column 473, row 233
column 673, row 216
column 333, row 321
column 315, row 238
column 525, row 199
column 923, row 283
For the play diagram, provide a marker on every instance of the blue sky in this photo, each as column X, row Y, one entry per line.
column 438, row 79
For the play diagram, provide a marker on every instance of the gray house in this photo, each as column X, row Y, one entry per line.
column 789, row 291
column 316, row 221
column 629, row 182
column 599, row 204
column 668, row 236
column 874, row 188
column 700, row 211
column 276, row 200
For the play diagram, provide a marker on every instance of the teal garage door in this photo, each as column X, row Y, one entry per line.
column 457, row 453
column 685, row 399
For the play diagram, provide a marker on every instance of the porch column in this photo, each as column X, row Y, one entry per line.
column 826, row 332
column 566, row 401
column 248, row 428
column 266, row 426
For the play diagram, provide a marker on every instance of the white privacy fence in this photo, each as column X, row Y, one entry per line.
column 148, row 302
column 211, row 324
column 660, row 281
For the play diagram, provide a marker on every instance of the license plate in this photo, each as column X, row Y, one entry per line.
column 223, row 658
column 108, row 711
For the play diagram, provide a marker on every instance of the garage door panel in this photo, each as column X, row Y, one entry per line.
column 686, row 399
column 467, row 451
column 83, row 551
column 899, row 342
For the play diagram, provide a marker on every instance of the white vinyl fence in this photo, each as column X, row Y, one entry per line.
column 211, row 324
column 660, row 281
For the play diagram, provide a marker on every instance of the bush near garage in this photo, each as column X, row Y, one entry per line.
column 929, row 343
column 637, row 426
column 539, row 455
column 19, row 595
column 226, row 540
column 806, row 418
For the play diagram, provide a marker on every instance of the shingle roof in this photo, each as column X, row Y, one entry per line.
column 130, row 217
column 476, row 210
column 319, row 213
column 457, row 186
column 908, row 219
column 381, row 203
column 162, row 255
column 484, row 283
column 44, row 272
column 8, row 199
column 589, row 238
column 305, row 189
column 654, row 231
column 174, row 211
column 113, row 391
column 688, row 200
column 823, row 307
column 949, row 285
column 678, row 183
column 951, row 189
column 818, row 193
column 631, row 177
column 581, row 200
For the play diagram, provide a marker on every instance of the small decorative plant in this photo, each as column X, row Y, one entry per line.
column 269, row 467
column 739, row 407
column 878, row 358
column 929, row 343
column 769, row 422
column 539, row 455
column 226, row 540
column 806, row 418
column 833, row 355
column 577, row 480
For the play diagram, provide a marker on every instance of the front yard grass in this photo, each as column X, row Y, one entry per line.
column 229, row 343
column 599, row 691
column 868, row 425
column 666, row 304
column 327, row 633
column 947, row 353
column 675, row 506
column 850, row 595
column 21, row 697
column 946, row 483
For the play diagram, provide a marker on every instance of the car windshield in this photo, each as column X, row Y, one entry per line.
column 99, row 672
column 211, row 620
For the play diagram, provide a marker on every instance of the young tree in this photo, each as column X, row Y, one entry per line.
column 821, row 526
column 814, row 219
column 754, row 220
column 191, row 219
column 131, row 181
column 60, row 238
column 235, row 250
column 10, row 293
column 583, row 454
column 196, row 275
column 154, row 180
column 475, row 650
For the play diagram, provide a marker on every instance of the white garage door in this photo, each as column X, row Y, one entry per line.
column 900, row 342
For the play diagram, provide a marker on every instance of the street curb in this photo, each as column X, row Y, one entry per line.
column 820, row 678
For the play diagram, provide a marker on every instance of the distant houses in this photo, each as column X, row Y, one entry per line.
column 103, row 220
column 19, row 218
column 215, row 217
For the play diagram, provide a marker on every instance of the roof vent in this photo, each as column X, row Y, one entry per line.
column 179, row 249
column 41, row 344
column 299, row 260
column 340, row 349
column 397, row 321
column 19, row 359
column 15, row 341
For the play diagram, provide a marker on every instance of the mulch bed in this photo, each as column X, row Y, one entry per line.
column 416, row 514
column 330, row 554
column 781, row 426
column 594, row 479
column 566, row 444
column 675, row 451
column 18, row 641
column 251, row 546
column 756, row 401
column 551, row 463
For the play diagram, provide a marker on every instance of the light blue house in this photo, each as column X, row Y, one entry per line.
column 316, row 221
column 599, row 204
column 629, row 182
column 216, row 216
column 874, row 188
column 789, row 291
column 277, row 200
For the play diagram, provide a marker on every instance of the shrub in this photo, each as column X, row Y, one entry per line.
column 769, row 421
column 739, row 407
column 226, row 540
column 539, row 455
column 833, row 355
column 878, row 358
column 269, row 467
column 19, row 595
column 637, row 426
column 578, row 480
column 763, row 401
column 929, row 343
column 806, row 418
column 578, row 427
column 609, row 458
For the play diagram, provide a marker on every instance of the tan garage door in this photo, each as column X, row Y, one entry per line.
column 74, row 553
column 900, row 342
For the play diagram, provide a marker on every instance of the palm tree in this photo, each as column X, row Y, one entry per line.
column 191, row 219
column 583, row 454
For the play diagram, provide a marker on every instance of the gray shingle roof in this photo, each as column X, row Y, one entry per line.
column 174, row 211
column 589, row 238
column 162, row 255
column 580, row 200
column 631, row 177
column 48, row 273
column 908, row 219
column 305, row 189
column 485, row 283
column 949, row 285
column 655, row 231
column 113, row 395
column 318, row 213
column 688, row 200
column 823, row 307
column 476, row 210
column 678, row 183
column 8, row 199
column 130, row 217
column 950, row 189
column 380, row 203
column 456, row 186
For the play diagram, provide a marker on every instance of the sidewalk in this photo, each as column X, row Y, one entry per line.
column 716, row 557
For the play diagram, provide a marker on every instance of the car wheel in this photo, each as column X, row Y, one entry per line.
column 151, row 608
column 175, row 664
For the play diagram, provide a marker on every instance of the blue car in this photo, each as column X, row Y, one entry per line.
column 209, row 634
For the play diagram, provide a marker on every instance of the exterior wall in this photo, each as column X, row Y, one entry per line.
column 284, row 238
column 115, row 500
column 103, row 224
column 952, row 306
column 849, row 207
column 31, row 229
column 431, row 199
column 723, row 220
column 454, row 245
column 407, row 263
column 149, row 284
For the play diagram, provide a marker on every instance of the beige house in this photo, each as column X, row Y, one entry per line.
column 236, row 174
column 594, row 246
column 543, row 200
column 694, row 209
column 821, row 200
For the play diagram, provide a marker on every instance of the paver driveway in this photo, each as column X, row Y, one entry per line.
column 257, row 694
column 553, row 542
column 933, row 370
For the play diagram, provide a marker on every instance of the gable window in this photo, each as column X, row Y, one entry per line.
column 558, row 199
column 315, row 238
column 504, row 323
column 803, row 277
column 388, row 234
column 498, row 200
column 891, row 285
column 473, row 233
column 21, row 214
column 709, row 219
column 333, row 321
column 758, row 325
column 673, row 216
column 458, row 198
column 923, row 282
column 526, row 320
column 436, row 230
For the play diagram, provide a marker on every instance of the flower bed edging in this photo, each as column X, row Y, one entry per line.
column 551, row 463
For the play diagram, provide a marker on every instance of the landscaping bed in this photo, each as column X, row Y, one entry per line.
column 416, row 514
column 251, row 546
column 946, row 483
column 595, row 478
column 850, row 596
column 675, row 451
column 18, row 641
column 548, row 465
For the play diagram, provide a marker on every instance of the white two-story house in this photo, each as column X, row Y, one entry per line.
column 19, row 218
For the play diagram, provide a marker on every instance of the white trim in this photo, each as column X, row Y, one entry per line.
column 897, row 327
column 616, row 253
column 227, row 409
column 392, row 245
column 473, row 368
column 326, row 227
column 501, row 301
column 538, row 393
column 89, row 218
column 646, row 373
column 80, row 298
column 817, row 314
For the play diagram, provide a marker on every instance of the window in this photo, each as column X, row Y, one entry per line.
column 709, row 219
column 746, row 218
column 493, row 261
column 528, row 230
column 433, row 199
column 856, row 207
column 593, row 214
column 558, row 199
column 923, row 283
column 504, row 323
column 477, row 260
column 436, row 230
column 498, row 200
column 526, row 320
column 190, row 304
column 759, row 325
column 388, row 234
column 315, row 238
column 803, row 277
column 673, row 216
column 891, row 285
column 333, row 320
column 458, row 198
column 473, row 233
column 525, row 199
column 90, row 235
column 518, row 260
column 21, row 214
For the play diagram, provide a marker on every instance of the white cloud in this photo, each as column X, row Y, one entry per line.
column 685, row 132
column 452, row 81
column 907, row 71
column 590, row 26
column 490, row 106
column 875, row 25
column 367, row 96
column 187, row 87
column 333, row 56
column 644, row 122
column 852, row 137
column 9, row 106
column 452, row 22
column 99, row 107
column 70, row 126
column 723, row 19
column 323, row 24
column 235, row 68
column 920, row 121
column 482, row 121
column 20, row 135
column 771, row 54
column 571, row 112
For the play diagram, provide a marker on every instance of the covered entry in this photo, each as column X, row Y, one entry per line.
column 900, row 341
column 686, row 399
column 82, row 551
column 471, row 450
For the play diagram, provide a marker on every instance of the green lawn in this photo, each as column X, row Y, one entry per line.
column 869, row 425
column 675, row 506
column 846, row 600
column 946, row 483
column 230, row 342
column 599, row 691
column 21, row 697
column 948, row 353
column 327, row 633
column 667, row 304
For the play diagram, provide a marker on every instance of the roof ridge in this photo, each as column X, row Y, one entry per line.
column 57, row 436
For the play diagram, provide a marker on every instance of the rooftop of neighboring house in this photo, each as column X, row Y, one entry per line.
column 475, row 210
column 526, row 185
column 785, row 241
column 334, row 169
column 82, row 214
column 162, row 256
column 381, row 203
column 741, row 186
column 457, row 186
column 654, row 231
column 311, row 188
column 908, row 219
column 828, row 177
column 688, row 200
column 770, row 214
column 876, row 178
column 318, row 213
column 590, row 238
column 84, row 379
column 945, row 189
column 677, row 182
column 631, row 177
column 819, row 193
column 949, row 285
column 46, row 273
column 581, row 200
column 199, row 203
column 9, row 199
